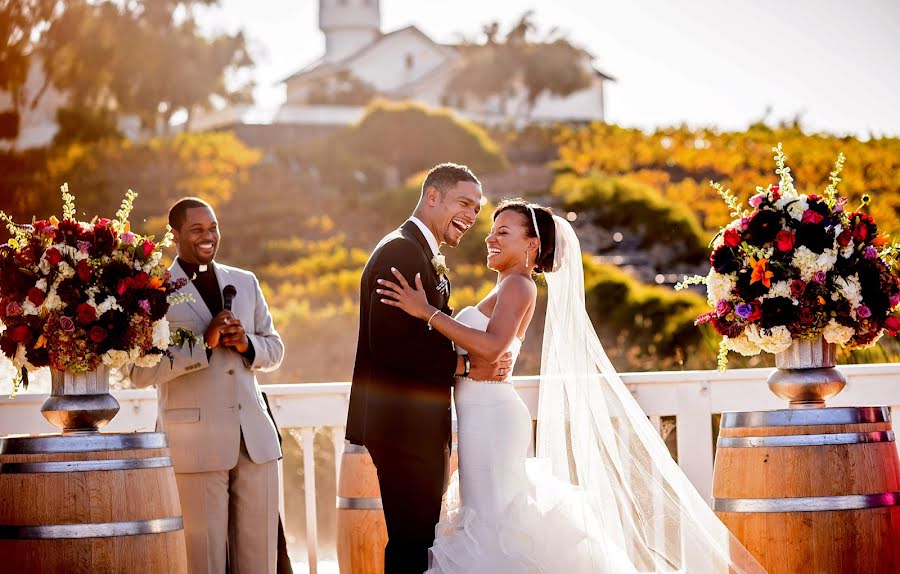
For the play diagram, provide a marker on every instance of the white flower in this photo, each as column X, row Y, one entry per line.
column 115, row 358
column 440, row 264
column 808, row 262
column 29, row 308
column 837, row 333
column 161, row 334
column 718, row 287
column 780, row 289
column 108, row 305
column 795, row 209
column 150, row 360
column 41, row 284
column 849, row 289
column 775, row 340
column 742, row 344
column 64, row 270
column 52, row 302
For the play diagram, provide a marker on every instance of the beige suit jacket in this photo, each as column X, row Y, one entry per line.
column 204, row 406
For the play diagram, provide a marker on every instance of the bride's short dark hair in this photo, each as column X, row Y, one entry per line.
column 546, row 228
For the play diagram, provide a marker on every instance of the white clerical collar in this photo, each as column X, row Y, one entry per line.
column 429, row 236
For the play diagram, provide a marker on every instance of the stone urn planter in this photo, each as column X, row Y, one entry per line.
column 806, row 376
column 80, row 404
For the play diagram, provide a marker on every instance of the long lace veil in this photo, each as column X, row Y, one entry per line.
column 642, row 510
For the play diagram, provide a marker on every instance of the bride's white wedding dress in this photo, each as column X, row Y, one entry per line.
column 507, row 514
column 603, row 495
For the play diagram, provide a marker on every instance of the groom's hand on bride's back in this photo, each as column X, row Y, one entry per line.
column 496, row 371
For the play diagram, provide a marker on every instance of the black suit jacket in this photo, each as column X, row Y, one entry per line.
column 400, row 396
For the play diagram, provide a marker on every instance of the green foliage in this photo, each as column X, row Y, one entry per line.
column 85, row 125
column 407, row 137
column 644, row 326
column 617, row 203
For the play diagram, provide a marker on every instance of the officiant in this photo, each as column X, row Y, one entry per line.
column 224, row 443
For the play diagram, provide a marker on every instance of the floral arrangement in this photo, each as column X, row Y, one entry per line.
column 75, row 295
column 798, row 266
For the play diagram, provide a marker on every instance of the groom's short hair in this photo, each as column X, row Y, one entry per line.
column 445, row 175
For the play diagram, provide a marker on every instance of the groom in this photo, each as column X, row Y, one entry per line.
column 400, row 397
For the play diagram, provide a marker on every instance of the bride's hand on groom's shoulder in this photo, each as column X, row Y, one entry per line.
column 410, row 299
column 484, row 371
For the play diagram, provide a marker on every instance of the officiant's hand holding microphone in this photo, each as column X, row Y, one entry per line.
column 225, row 329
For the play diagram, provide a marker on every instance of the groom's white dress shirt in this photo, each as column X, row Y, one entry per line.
column 429, row 236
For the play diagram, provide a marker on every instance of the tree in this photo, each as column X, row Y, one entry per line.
column 22, row 23
column 519, row 66
column 146, row 58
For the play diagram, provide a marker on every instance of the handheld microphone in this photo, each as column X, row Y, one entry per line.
column 228, row 294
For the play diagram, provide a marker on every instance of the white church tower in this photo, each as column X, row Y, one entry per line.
column 348, row 25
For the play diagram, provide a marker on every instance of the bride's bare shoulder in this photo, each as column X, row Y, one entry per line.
column 517, row 286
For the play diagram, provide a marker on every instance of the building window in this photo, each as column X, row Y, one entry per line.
column 410, row 61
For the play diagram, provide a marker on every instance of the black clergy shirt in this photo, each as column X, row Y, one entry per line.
column 208, row 286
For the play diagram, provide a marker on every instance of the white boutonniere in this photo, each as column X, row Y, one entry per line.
column 440, row 264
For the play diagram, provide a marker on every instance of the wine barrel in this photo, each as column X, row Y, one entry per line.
column 361, row 531
column 89, row 503
column 811, row 490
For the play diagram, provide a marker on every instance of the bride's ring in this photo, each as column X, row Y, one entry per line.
column 226, row 320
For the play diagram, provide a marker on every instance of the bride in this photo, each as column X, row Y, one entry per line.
column 603, row 494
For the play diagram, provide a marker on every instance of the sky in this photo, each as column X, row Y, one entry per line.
column 717, row 63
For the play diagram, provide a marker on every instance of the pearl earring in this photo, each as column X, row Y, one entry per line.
column 526, row 260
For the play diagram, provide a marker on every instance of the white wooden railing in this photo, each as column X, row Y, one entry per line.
column 692, row 397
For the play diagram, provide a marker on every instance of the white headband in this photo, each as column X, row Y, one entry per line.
column 536, row 230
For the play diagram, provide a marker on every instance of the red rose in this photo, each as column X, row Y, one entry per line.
column 97, row 334
column 755, row 311
column 36, row 296
column 807, row 317
column 54, row 257
column 86, row 314
column 83, row 270
column 20, row 333
column 147, row 248
column 798, row 287
column 784, row 241
column 812, row 216
column 844, row 238
column 140, row 280
column 732, row 237
column 892, row 324
column 861, row 232
column 775, row 190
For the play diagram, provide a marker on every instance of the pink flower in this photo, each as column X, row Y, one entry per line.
column 144, row 304
column 13, row 309
column 819, row 277
column 745, row 223
column 812, row 216
column 895, row 299
column 723, row 307
column 128, row 237
column 84, row 247
column 67, row 324
column 147, row 248
column 863, row 312
column 757, row 200
column 870, row 252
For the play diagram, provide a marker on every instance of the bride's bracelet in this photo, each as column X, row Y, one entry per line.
column 430, row 319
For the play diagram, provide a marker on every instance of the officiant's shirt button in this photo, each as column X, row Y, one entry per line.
column 230, row 371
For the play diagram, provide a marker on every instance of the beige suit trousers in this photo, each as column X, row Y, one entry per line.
column 233, row 511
